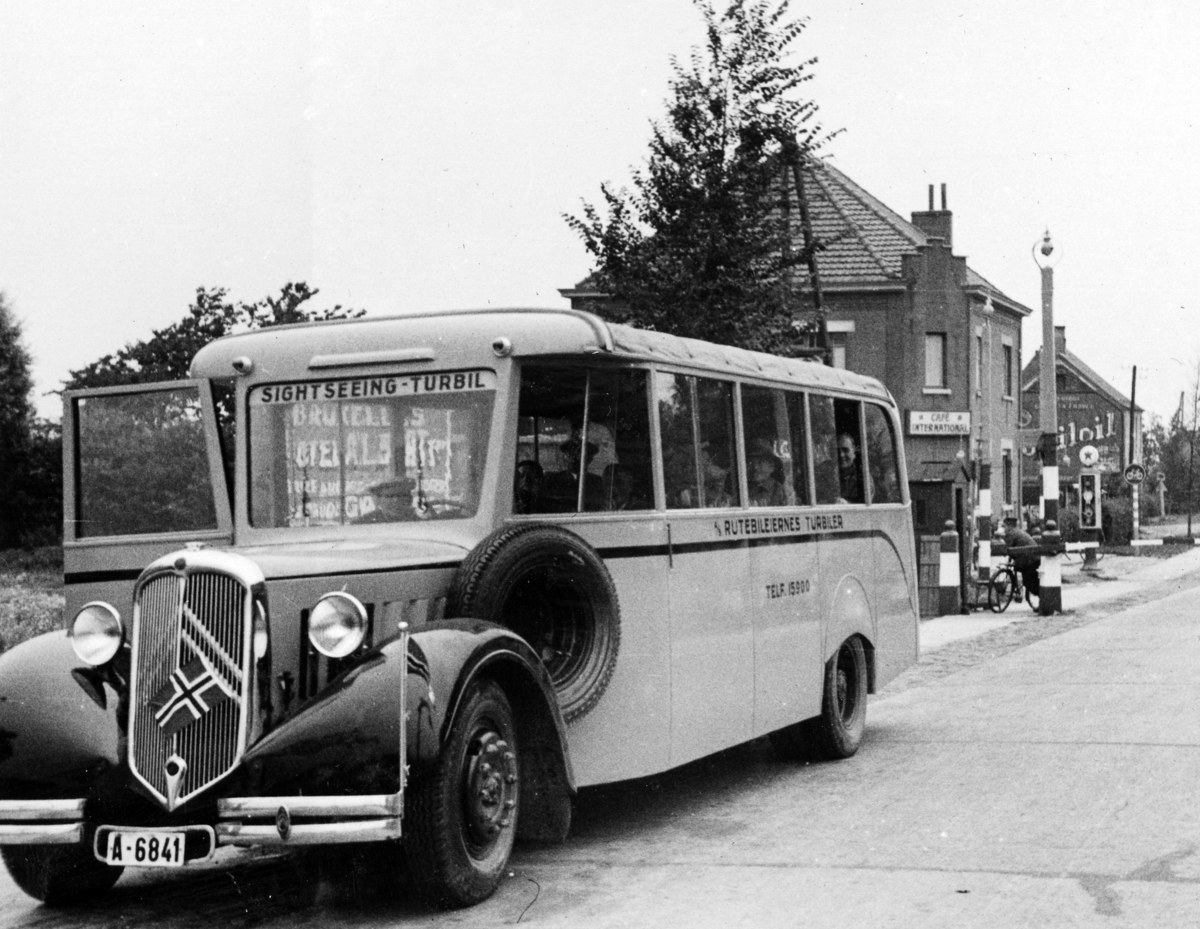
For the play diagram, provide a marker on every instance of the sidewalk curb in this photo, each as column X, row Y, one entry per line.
column 936, row 632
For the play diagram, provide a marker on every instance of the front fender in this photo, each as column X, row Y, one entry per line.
column 55, row 738
column 347, row 741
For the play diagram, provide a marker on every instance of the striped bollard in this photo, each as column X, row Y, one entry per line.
column 1050, row 572
column 948, row 578
column 984, row 517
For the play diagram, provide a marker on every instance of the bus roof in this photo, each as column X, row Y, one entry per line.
column 462, row 338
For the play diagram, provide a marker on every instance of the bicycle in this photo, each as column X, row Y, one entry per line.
column 1005, row 585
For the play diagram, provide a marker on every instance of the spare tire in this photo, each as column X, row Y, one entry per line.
column 551, row 588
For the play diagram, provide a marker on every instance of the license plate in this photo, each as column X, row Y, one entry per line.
column 146, row 849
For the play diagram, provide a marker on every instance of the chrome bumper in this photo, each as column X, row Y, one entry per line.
column 326, row 820
column 41, row 822
column 341, row 819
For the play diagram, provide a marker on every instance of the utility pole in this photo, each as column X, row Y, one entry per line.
column 812, row 245
column 1136, row 503
column 1051, row 597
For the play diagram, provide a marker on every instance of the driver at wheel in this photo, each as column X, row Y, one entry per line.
column 393, row 502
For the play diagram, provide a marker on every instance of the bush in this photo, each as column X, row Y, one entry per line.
column 1117, row 520
column 48, row 558
column 1068, row 524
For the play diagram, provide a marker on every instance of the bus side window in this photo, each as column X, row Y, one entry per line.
column 619, row 423
column 824, row 447
column 675, row 407
column 550, row 452
column 799, row 442
column 718, row 464
column 851, row 484
column 696, row 417
column 769, row 458
column 881, row 456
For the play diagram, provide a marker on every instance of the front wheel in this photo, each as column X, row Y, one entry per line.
column 461, row 815
column 1000, row 590
column 58, row 875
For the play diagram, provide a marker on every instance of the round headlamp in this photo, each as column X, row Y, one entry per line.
column 262, row 636
column 337, row 624
column 96, row 633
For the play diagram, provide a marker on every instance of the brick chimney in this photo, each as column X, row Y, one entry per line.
column 936, row 223
column 1060, row 340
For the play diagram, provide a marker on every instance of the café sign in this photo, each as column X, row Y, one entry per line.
column 938, row 423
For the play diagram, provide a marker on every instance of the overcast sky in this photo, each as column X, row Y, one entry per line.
column 405, row 156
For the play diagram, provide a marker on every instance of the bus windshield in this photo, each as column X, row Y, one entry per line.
column 369, row 450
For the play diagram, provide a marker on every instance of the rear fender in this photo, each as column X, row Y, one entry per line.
column 850, row 614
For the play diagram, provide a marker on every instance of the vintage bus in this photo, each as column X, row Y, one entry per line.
column 416, row 580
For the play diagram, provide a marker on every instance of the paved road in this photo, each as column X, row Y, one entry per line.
column 1049, row 784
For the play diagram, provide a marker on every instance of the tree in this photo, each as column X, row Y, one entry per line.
column 1155, row 447
column 40, row 502
column 1174, row 448
column 167, row 354
column 15, row 416
column 701, row 246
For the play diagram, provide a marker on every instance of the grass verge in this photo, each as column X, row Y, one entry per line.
column 31, row 597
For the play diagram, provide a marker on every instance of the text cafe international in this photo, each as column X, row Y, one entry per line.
column 938, row 423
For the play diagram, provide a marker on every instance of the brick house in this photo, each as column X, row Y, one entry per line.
column 903, row 308
column 1090, row 412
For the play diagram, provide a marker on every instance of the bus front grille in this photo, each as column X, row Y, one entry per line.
column 188, row 707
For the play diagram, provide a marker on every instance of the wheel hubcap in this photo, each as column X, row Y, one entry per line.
column 491, row 789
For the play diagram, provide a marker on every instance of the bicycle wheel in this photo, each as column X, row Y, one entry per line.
column 1000, row 590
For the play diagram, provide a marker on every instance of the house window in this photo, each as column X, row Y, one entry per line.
column 935, row 359
column 1008, row 371
column 979, row 364
column 1007, row 463
column 837, row 343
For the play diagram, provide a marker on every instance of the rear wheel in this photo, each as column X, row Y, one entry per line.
column 1000, row 590
column 58, row 875
column 461, row 815
column 838, row 731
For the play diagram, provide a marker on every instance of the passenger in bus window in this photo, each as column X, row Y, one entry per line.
column 714, row 465
column 619, row 489
column 528, row 492
column 766, row 480
column 562, row 487
column 606, row 448
column 849, row 470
